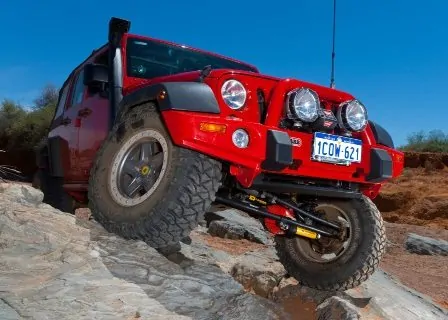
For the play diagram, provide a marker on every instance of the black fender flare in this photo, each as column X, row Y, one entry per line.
column 381, row 135
column 48, row 155
column 182, row 96
column 41, row 153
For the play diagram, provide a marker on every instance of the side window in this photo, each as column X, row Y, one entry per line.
column 78, row 90
column 61, row 104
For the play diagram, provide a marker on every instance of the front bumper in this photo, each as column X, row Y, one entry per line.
column 279, row 156
column 278, row 151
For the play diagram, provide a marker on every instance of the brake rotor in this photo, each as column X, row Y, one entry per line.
column 327, row 249
column 327, row 245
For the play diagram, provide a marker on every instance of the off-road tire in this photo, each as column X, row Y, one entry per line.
column 54, row 194
column 176, row 206
column 355, row 265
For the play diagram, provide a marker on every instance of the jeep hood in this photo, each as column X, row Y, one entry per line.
column 265, row 82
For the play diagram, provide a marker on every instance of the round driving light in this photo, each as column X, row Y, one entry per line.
column 352, row 115
column 234, row 94
column 303, row 104
column 240, row 138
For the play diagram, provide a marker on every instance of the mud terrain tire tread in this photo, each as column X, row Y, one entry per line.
column 190, row 192
column 364, row 261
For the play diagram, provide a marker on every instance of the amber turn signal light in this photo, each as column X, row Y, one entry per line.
column 212, row 127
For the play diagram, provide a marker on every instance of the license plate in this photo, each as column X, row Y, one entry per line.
column 336, row 149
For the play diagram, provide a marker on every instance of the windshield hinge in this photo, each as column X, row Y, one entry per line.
column 205, row 72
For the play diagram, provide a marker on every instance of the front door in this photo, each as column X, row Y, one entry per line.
column 94, row 116
column 89, row 113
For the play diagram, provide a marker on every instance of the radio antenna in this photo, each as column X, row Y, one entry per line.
column 333, row 54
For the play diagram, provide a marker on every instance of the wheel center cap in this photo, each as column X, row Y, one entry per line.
column 145, row 170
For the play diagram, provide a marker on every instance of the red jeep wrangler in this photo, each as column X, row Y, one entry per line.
column 149, row 133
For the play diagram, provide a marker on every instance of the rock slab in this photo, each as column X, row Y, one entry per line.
column 259, row 271
column 337, row 308
column 425, row 245
column 233, row 224
column 54, row 266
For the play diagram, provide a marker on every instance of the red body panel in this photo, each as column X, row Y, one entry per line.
column 184, row 129
column 93, row 130
column 245, row 164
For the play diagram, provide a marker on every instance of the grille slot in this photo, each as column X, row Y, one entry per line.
column 261, row 105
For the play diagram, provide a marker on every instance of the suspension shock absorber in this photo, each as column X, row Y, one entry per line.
column 278, row 218
column 283, row 228
column 276, row 227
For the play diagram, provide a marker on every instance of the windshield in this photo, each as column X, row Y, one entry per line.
column 149, row 59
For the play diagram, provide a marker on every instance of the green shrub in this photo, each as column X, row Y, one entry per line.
column 21, row 129
column 434, row 141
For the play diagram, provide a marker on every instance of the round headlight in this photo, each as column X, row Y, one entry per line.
column 352, row 115
column 303, row 104
column 234, row 94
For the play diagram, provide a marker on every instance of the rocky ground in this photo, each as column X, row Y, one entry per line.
column 427, row 274
column 56, row 266
column 417, row 202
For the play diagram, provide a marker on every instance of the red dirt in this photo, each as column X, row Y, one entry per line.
column 418, row 197
column 233, row 247
column 83, row 214
column 425, row 160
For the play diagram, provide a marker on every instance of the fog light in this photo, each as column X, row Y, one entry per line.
column 240, row 138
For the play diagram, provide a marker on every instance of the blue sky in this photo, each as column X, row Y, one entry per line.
column 392, row 55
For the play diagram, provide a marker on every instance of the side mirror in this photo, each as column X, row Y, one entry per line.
column 95, row 75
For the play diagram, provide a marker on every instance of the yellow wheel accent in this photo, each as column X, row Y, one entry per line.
column 145, row 170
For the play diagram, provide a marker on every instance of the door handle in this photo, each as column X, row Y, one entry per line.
column 84, row 112
column 66, row 121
